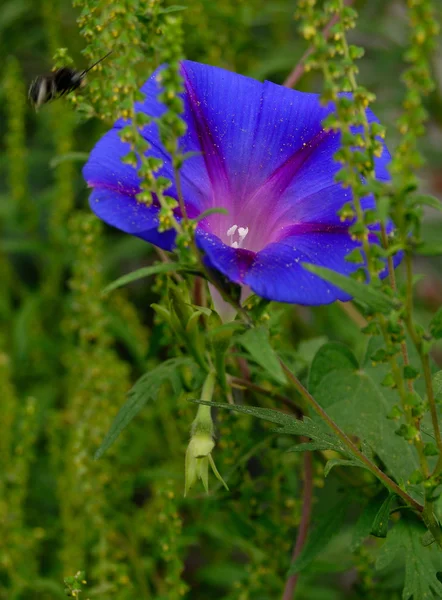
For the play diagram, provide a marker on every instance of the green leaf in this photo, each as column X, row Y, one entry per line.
column 309, row 447
column 191, row 154
column 327, row 526
column 171, row 9
column 421, row 562
column 360, row 406
column 427, row 539
column 201, row 310
column 341, row 462
column 436, row 325
column 288, row 424
column 307, row 349
column 364, row 524
column 427, row 200
column 227, row 329
column 379, row 526
column 429, row 249
column 140, row 273
column 330, row 357
column 256, row 342
column 364, row 293
column 146, row 389
column 437, row 385
column 210, row 211
column 68, row 156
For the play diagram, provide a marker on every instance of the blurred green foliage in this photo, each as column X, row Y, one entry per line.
column 68, row 354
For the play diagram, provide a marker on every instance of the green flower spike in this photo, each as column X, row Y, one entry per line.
column 198, row 454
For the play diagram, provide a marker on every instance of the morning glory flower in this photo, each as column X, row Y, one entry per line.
column 260, row 151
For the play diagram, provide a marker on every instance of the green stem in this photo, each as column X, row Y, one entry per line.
column 433, row 410
column 369, row 147
column 304, row 525
column 392, row 279
column 175, row 224
column 180, row 194
column 203, row 422
column 389, row 483
column 425, row 361
column 208, row 387
column 399, row 382
column 409, row 302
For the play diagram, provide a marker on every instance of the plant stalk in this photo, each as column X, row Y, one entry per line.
column 389, row 483
column 307, row 498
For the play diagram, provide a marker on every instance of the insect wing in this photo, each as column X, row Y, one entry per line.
column 63, row 81
column 41, row 90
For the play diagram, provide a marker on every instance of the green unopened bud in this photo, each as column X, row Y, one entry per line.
column 198, row 454
column 197, row 461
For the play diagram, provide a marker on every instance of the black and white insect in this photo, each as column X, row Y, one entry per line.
column 63, row 81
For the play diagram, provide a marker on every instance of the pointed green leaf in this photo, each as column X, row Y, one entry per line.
column 309, row 447
column 146, row 389
column 201, row 309
column 364, row 293
column 436, row 325
column 364, row 524
column 330, row 357
column 171, row 9
column 427, row 539
column 140, row 273
column 360, row 406
column 227, row 330
column 429, row 249
column 256, row 342
column 68, row 156
column 421, row 562
column 209, row 212
column 427, row 200
column 379, row 526
column 437, row 385
column 288, row 424
column 340, row 462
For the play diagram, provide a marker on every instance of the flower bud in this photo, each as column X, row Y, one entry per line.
column 197, row 461
column 198, row 454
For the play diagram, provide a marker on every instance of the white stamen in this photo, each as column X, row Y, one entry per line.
column 242, row 233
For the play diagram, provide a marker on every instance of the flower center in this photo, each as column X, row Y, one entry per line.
column 241, row 235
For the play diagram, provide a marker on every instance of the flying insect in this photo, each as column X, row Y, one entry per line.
column 61, row 82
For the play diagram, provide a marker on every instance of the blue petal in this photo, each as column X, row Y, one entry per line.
column 196, row 183
column 234, row 263
column 105, row 169
column 258, row 146
column 247, row 129
column 264, row 145
column 277, row 273
column 124, row 212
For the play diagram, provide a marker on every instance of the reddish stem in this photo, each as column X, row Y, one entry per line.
column 304, row 525
column 298, row 71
